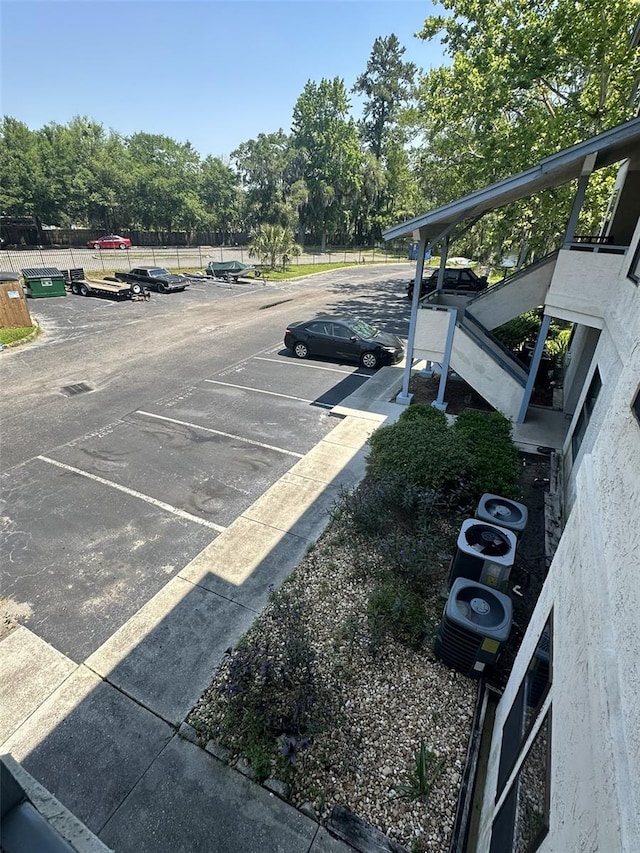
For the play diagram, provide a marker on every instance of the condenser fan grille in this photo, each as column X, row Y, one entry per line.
column 503, row 512
column 480, row 608
column 487, row 540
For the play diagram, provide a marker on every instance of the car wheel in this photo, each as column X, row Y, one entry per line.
column 162, row 288
column 369, row 359
column 75, row 289
column 96, row 245
column 137, row 289
column 84, row 290
column 300, row 350
column 122, row 246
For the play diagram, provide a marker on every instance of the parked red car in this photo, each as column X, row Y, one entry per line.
column 111, row 241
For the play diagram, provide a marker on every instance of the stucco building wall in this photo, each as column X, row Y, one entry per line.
column 593, row 594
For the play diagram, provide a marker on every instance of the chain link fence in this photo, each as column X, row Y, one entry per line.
column 108, row 261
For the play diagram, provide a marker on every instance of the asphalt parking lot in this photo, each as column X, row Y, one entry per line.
column 191, row 410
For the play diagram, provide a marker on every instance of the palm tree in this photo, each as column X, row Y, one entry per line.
column 273, row 243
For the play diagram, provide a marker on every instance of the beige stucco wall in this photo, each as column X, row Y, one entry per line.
column 593, row 588
column 583, row 284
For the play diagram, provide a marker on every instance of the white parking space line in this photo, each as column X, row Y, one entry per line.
column 160, row 504
column 271, row 393
column 219, row 432
column 299, row 363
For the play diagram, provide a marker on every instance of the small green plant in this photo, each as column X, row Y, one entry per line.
column 393, row 609
column 423, row 775
column 16, row 333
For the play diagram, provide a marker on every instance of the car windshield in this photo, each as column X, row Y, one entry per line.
column 159, row 271
column 363, row 329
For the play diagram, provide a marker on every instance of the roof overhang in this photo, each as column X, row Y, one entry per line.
column 614, row 145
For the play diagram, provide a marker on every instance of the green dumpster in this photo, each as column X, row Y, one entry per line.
column 43, row 281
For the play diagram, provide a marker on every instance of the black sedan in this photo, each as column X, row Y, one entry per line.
column 349, row 340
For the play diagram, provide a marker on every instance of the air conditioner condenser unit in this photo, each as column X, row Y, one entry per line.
column 484, row 553
column 474, row 628
column 504, row 512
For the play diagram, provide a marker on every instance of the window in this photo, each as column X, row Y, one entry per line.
column 585, row 413
column 523, row 820
column 526, row 706
column 341, row 331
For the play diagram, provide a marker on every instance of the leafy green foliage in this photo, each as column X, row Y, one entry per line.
column 419, row 449
column 524, row 80
column 327, row 140
column 273, row 243
column 487, row 439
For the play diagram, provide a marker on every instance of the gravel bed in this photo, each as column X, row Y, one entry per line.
column 387, row 704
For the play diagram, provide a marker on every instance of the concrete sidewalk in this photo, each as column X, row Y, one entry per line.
column 103, row 735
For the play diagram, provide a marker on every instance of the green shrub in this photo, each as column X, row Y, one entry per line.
column 487, row 439
column 419, row 450
column 425, row 413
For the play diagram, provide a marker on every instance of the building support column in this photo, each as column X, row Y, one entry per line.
column 439, row 403
column 404, row 397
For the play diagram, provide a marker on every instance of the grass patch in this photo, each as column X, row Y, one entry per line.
column 300, row 270
column 16, row 334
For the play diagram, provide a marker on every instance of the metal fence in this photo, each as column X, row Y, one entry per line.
column 107, row 261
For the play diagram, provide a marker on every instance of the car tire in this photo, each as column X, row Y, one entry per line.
column 162, row 288
column 300, row 350
column 96, row 245
column 122, row 246
column 75, row 288
column 84, row 290
column 136, row 289
column 369, row 360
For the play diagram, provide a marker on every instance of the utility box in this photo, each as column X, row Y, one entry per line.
column 13, row 306
column 43, row 281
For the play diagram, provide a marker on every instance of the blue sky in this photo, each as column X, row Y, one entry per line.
column 214, row 73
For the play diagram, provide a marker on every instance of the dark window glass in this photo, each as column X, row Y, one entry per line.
column 532, row 809
column 523, row 820
column 532, row 693
column 585, row 413
column 341, row 331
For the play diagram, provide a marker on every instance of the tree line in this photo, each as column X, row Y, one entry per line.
column 523, row 80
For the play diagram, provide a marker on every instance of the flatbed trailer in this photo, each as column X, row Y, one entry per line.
column 78, row 283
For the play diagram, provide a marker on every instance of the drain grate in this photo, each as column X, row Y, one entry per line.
column 78, row 388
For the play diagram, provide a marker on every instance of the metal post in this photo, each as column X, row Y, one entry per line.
column 448, row 347
column 404, row 398
column 533, row 367
column 587, row 169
